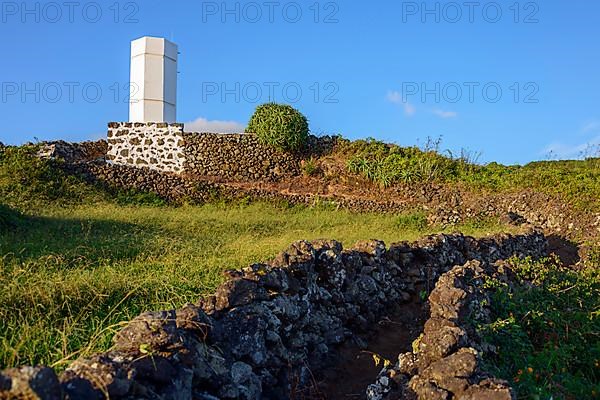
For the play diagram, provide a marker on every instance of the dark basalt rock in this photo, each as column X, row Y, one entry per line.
column 270, row 327
column 238, row 292
column 445, row 362
column 30, row 383
column 73, row 153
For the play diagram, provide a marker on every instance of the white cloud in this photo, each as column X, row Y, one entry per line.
column 215, row 126
column 409, row 109
column 560, row 150
column 445, row 114
column 396, row 98
column 591, row 127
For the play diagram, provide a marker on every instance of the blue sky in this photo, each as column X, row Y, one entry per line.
column 395, row 70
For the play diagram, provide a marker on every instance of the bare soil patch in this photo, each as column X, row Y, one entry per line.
column 355, row 368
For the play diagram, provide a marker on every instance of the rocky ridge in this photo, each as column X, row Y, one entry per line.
column 445, row 361
column 271, row 327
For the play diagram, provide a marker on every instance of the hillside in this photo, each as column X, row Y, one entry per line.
column 86, row 246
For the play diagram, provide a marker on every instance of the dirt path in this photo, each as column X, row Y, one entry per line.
column 356, row 369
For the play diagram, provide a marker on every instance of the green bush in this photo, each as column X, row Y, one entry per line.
column 26, row 179
column 545, row 330
column 279, row 125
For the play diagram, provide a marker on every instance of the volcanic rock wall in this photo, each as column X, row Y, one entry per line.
column 165, row 147
column 172, row 188
column 268, row 328
column 158, row 146
column 73, row 152
column 236, row 157
column 177, row 189
column 445, row 361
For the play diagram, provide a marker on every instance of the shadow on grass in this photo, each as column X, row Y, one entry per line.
column 68, row 243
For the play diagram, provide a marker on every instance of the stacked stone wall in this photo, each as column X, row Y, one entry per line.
column 157, row 146
column 236, row 157
column 270, row 327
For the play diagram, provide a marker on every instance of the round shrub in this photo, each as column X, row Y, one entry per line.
column 279, row 125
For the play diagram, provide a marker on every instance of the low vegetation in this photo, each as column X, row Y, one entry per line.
column 545, row 330
column 577, row 181
column 77, row 260
column 388, row 164
column 26, row 180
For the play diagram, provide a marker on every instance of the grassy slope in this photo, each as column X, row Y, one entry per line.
column 576, row 181
column 81, row 261
column 69, row 275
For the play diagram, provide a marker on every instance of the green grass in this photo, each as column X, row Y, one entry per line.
column 576, row 181
column 26, row 181
column 76, row 260
column 390, row 164
column 71, row 275
column 547, row 335
column 9, row 218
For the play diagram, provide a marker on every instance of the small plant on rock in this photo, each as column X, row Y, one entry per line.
column 310, row 167
column 280, row 126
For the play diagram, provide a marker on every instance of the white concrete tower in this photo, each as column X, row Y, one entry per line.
column 153, row 93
